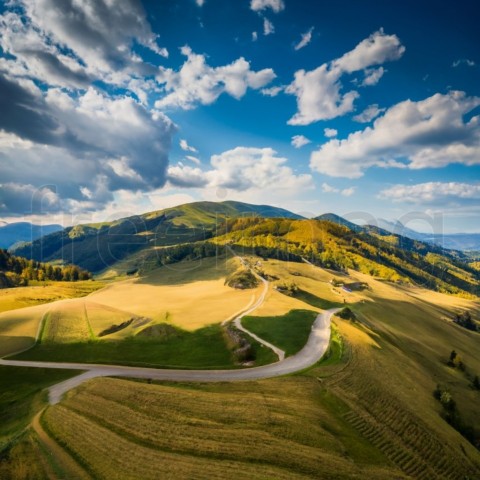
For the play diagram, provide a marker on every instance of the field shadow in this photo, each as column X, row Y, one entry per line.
column 188, row 272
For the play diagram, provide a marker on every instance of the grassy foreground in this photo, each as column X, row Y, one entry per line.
column 280, row 429
column 289, row 332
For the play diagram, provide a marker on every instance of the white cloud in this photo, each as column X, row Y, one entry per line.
column 430, row 133
column 346, row 192
column 195, row 160
column 319, row 92
column 371, row 112
column 330, row 132
column 268, row 27
column 242, row 169
column 463, row 61
column 326, row 188
column 305, row 40
column 254, row 36
column 260, row 5
column 200, row 3
column 435, row 193
column 373, row 76
column 76, row 43
column 272, row 91
column 93, row 144
column 196, row 82
column 186, row 147
column 299, row 141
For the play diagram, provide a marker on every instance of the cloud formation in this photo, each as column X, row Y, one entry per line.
column 433, row 193
column 260, row 5
column 330, row 132
column 186, row 147
column 198, row 83
column 346, row 192
column 305, row 40
column 242, row 169
column 71, row 44
column 319, row 91
column 370, row 113
column 298, row 141
column 430, row 133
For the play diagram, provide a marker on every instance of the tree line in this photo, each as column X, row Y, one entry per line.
column 18, row 271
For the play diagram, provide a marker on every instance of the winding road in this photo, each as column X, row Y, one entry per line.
column 310, row 354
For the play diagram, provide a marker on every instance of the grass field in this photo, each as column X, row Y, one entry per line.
column 211, row 431
column 21, row 396
column 289, row 332
column 190, row 295
column 45, row 292
column 365, row 411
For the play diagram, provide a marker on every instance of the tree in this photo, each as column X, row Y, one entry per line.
column 476, row 383
column 453, row 356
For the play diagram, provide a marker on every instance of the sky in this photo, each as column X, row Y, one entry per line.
column 365, row 109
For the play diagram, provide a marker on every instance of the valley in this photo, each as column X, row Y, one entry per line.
column 149, row 358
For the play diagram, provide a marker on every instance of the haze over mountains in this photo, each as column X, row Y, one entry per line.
column 12, row 233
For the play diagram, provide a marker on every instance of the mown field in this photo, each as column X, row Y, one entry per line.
column 275, row 429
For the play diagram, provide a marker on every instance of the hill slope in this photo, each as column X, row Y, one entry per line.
column 97, row 246
column 335, row 246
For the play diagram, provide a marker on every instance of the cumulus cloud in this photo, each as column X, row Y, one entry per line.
column 370, row 113
column 372, row 76
column 299, row 141
column 70, row 44
column 319, row 91
column 305, row 40
column 433, row 193
column 198, row 83
column 272, row 91
column 330, row 132
column 430, row 133
column 200, row 2
column 87, row 146
column 268, row 27
column 186, row 147
column 254, row 36
column 346, row 192
column 260, row 5
column 242, row 169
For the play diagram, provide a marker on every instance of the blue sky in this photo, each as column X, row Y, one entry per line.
column 367, row 109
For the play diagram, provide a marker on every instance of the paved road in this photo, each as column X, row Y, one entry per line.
column 311, row 353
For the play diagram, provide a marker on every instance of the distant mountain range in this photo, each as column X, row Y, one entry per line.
column 329, row 240
column 15, row 233
column 453, row 241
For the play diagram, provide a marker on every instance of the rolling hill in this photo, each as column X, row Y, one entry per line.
column 188, row 231
column 97, row 246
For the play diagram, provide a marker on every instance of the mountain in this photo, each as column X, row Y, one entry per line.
column 97, row 246
column 12, row 233
column 332, row 217
column 453, row 241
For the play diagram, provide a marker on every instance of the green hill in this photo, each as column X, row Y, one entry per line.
column 337, row 247
column 97, row 246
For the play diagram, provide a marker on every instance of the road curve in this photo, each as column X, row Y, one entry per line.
column 238, row 321
column 310, row 354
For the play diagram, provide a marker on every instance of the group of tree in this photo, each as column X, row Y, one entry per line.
column 452, row 415
column 18, row 271
column 465, row 320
